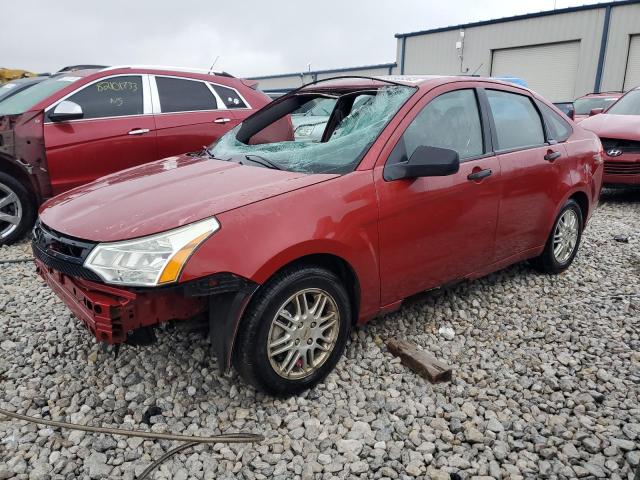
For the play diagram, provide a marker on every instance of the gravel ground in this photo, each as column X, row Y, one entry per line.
column 546, row 384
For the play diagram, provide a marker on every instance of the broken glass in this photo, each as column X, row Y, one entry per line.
column 341, row 152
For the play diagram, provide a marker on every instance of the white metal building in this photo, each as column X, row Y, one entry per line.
column 562, row 54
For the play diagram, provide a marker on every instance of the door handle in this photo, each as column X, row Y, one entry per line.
column 480, row 174
column 222, row 120
column 552, row 156
column 138, row 131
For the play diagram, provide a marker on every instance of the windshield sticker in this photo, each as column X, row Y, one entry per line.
column 114, row 86
column 68, row 79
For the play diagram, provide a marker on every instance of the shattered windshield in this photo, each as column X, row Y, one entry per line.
column 356, row 119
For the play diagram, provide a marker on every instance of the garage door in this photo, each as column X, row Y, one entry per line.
column 632, row 76
column 550, row 70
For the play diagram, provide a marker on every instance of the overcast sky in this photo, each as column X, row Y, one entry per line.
column 251, row 37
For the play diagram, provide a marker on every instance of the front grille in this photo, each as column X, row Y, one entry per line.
column 62, row 253
column 625, row 146
column 621, row 168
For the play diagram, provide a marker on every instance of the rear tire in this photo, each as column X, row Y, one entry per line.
column 17, row 209
column 284, row 345
column 563, row 242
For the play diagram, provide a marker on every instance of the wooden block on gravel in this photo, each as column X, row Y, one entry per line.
column 420, row 361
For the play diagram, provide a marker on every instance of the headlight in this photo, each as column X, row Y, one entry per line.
column 152, row 260
column 304, row 130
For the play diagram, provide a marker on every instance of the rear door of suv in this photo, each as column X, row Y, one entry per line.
column 117, row 131
column 190, row 113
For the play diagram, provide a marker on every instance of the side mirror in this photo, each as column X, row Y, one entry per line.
column 66, row 110
column 571, row 114
column 595, row 111
column 425, row 162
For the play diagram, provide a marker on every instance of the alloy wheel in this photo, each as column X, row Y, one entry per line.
column 303, row 333
column 565, row 236
column 10, row 211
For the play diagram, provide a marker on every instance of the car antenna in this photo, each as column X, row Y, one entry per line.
column 476, row 70
column 212, row 65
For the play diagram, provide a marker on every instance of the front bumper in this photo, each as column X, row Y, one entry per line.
column 624, row 170
column 110, row 314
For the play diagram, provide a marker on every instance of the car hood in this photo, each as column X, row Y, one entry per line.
column 605, row 125
column 163, row 195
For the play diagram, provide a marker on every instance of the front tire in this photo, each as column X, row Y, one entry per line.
column 563, row 242
column 294, row 331
column 17, row 209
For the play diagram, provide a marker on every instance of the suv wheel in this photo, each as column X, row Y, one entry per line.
column 294, row 332
column 17, row 209
column 563, row 242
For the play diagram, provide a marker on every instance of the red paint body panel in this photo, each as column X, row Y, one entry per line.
column 625, row 168
column 174, row 131
column 397, row 237
column 79, row 152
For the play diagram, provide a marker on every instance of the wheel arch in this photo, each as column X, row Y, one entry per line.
column 10, row 167
column 335, row 264
column 582, row 200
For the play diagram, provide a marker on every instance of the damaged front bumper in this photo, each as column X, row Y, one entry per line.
column 111, row 314
column 116, row 315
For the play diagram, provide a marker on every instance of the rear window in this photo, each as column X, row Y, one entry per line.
column 229, row 97
column 181, row 95
column 26, row 99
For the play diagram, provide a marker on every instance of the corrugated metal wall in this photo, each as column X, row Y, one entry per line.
column 436, row 53
column 625, row 22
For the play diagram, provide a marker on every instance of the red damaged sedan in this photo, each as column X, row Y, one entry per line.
column 619, row 130
column 284, row 244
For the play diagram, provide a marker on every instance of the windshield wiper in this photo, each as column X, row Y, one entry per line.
column 265, row 162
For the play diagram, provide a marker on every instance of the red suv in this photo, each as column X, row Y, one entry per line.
column 81, row 125
column 284, row 245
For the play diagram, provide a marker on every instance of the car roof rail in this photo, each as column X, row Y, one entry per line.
column 171, row 67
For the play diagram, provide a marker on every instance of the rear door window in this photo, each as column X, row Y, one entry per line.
column 558, row 128
column 517, row 121
column 182, row 95
column 229, row 97
column 111, row 97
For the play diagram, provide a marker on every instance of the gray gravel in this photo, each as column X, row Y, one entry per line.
column 546, row 384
